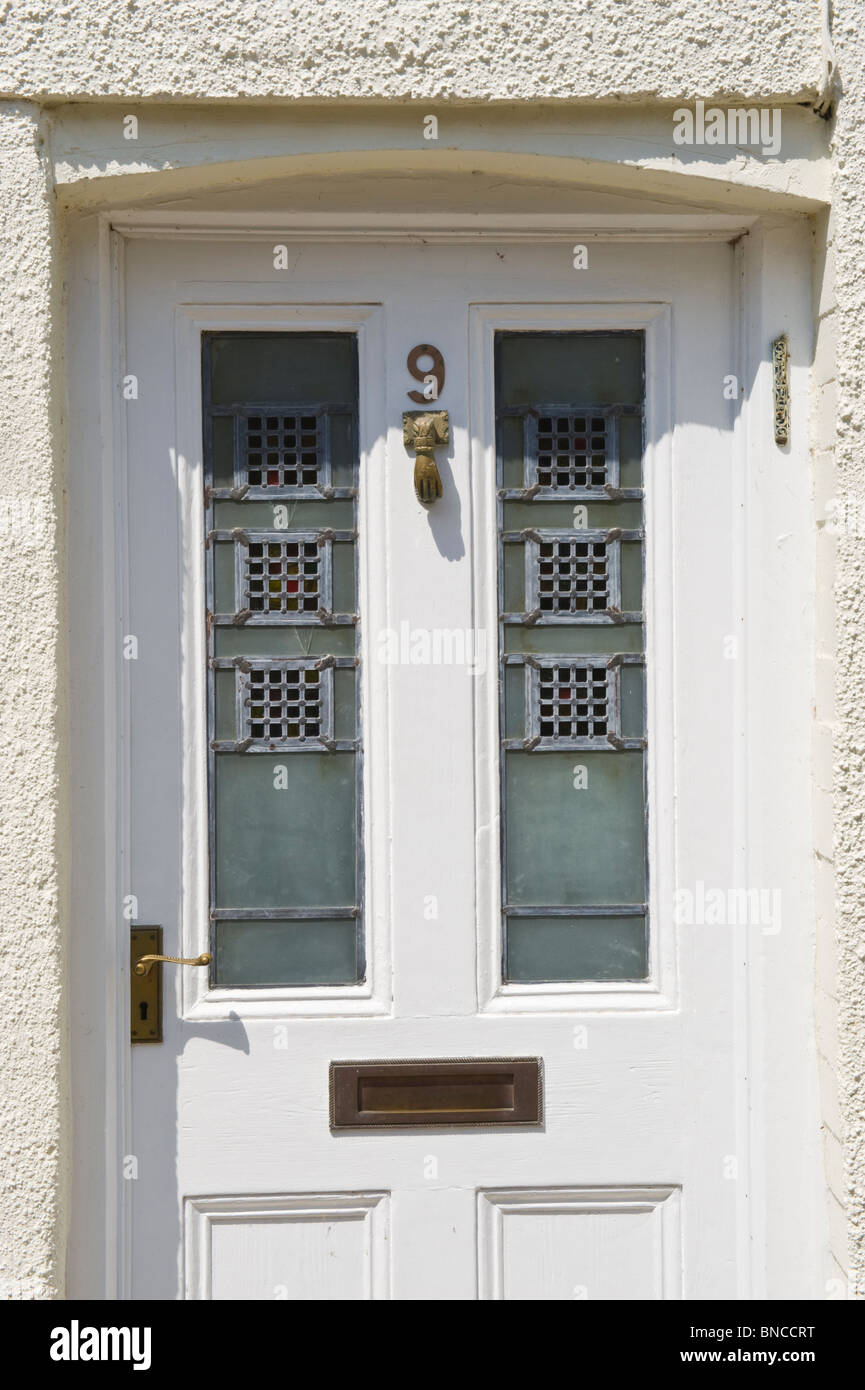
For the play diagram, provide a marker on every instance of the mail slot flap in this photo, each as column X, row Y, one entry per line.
column 449, row 1091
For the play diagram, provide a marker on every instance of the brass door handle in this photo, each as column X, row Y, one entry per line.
column 146, row 963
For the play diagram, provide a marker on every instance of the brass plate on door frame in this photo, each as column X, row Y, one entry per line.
column 425, row 1093
column 145, row 990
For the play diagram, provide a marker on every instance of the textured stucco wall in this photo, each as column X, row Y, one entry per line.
column 827, row 514
column 32, row 1033
column 848, row 251
column 398, row 49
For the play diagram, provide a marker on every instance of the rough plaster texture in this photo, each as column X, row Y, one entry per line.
column 475, row 50
column 848, row 250
column 828, row 517
column 32, row 1036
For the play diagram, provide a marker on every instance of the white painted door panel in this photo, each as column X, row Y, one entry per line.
column 636, row 1187
column 614, row 1243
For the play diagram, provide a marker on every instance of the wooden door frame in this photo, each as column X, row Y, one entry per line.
column 777, row 1020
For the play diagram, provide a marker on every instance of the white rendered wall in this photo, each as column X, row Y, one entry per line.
column 33, row 1088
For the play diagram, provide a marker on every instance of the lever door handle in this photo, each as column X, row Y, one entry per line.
column 146, row 963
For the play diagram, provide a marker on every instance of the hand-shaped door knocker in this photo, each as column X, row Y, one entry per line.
column 424, row 431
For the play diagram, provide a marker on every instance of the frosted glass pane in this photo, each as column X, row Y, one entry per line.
column 284, row 641
column 344, row 598
column 225, row 705
column 515, row 578
column 515, row 701
column 250, row 368
column 344, row 703
column 575, row 846
column 223, row 450
column 224, row 595
column 561, row 639
column 630, row 451
column 563, row 368
column 291, row 847
column 512, row 444
column 286, row 953
column 632, row 576
column 576, row 948
column 632, row 694
column 599, row 515
column 302, row 514
column 343, row 452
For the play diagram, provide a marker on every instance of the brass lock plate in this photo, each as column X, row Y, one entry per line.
column 146, row 990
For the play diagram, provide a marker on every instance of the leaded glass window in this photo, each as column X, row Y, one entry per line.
column 569, row 410
column 285, row 775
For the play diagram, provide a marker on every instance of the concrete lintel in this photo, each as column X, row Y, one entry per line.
column 179, row 152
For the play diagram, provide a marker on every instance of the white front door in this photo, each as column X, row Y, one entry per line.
column 445, row 781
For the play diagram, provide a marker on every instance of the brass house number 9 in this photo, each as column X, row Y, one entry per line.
column 425, row 431
column 433, row 378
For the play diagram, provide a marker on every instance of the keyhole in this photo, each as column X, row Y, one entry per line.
column 142, row 1009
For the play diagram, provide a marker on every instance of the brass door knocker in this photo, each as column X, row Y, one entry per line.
column 424, row 431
